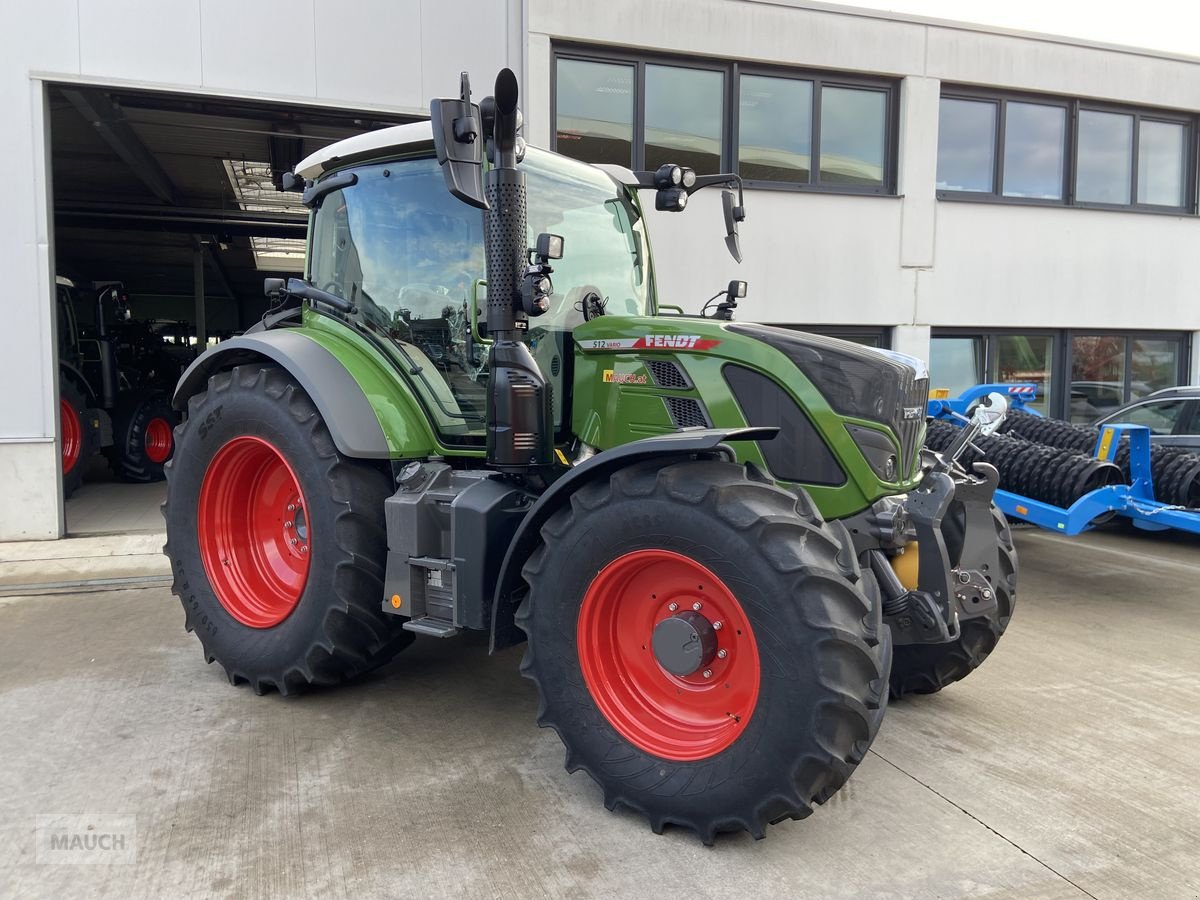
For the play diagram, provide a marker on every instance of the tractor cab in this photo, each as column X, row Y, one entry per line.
column 410, row 258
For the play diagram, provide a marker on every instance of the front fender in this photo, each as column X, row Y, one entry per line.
column 678, row 444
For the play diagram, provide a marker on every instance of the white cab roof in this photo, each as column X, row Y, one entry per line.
column 370, row 143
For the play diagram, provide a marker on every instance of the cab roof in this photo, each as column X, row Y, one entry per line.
column 368, row 145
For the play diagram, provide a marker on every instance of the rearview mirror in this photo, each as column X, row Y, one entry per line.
column 733, row 215
column 458, row 141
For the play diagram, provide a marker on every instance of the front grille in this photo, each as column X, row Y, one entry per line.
column 667, row 374
column 914, row 394
column 686, row 412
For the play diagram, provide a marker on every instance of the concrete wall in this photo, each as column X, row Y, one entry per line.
column 908, row 261
column 386, row 54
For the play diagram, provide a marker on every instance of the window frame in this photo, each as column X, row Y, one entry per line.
column 1073, row 106
column 730, row 114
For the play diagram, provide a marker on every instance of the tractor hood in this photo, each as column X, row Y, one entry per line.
column 879, row 385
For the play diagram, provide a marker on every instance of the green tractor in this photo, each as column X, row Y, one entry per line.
column 722, row 544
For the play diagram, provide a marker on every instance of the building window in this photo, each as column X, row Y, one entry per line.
column 595, row 111
column 966, row 159
column 684, row 118
column 1101, row 372
column 1063, row 152
column 776, row 128
column 1033, row 150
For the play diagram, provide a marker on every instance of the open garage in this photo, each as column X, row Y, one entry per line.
column 168, row 213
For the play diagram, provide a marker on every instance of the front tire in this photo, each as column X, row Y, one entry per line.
column 927, row 668
column 748, row 737
column 277, row 542
column 143, row 436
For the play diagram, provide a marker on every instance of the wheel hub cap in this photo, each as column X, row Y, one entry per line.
column 684, row 643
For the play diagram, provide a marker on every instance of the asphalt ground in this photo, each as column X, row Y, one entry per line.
column 1067, row 766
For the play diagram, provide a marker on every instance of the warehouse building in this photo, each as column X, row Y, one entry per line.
column 1008, row 206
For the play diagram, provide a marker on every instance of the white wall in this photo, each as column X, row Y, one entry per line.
column 384, row 54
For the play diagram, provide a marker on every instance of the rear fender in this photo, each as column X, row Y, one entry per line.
column 678, row 445
column 379, row 426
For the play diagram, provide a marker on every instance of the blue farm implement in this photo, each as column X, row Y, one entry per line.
column 1135, row 500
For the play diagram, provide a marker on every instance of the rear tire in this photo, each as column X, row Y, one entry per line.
column 803, row 685
column 277, row 542
column 927, row 668
column 143, row 436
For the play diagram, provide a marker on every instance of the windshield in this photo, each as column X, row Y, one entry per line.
column 409, row 255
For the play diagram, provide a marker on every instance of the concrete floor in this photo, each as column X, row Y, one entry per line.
column 1066, row 767
column 103, row 505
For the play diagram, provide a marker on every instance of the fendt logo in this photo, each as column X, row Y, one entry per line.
column 654, row 342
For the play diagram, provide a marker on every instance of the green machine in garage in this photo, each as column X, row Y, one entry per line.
column 722, row 543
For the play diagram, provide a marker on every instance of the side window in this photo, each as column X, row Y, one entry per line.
column 1160, row 417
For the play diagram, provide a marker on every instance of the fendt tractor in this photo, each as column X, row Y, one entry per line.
column 722, row 544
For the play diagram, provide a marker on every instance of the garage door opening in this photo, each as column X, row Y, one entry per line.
column 169, row 212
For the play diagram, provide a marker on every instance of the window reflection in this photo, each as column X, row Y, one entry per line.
column 852, row 135
column 1154, row 365
column 966, row 145
column 684, row 117
column 1097, row 376
column 1034, row 138
column 1105, row 158
column 594, row 111
column 955, row 363
column 1161, row 158
column 775, row 128
column 1021, row 358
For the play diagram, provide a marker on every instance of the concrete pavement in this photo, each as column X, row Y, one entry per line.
column 1067, row 766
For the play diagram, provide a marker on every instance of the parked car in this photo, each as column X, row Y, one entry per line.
column 1171, row 414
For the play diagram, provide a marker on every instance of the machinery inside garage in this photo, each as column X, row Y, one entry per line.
column 169, row 212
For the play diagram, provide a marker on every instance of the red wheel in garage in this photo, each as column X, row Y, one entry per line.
column 159, row 442
column 143, row 439
column 704, row 645
column 78, row 440
column 72, row 435
column 668, row 654
column 254, row 539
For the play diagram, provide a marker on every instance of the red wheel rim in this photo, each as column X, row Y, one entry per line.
column 72, row 434
column 253, row 531
column 686, row 717
column 159, row 440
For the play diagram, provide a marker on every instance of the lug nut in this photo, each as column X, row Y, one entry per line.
column 987, row 595
column 288, row 524
column 721, row 654
column 672, row 606
column 964, row 577
column 304, row 548
column 696, row 606
column 291, row 507
column 708, row 673
column 294, row 542
column 716, row 626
